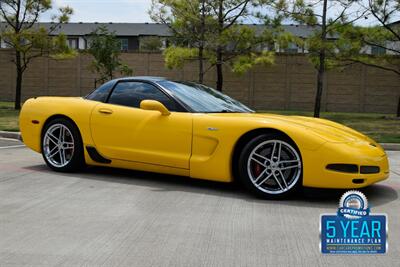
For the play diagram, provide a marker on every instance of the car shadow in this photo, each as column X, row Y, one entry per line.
column 378, row 194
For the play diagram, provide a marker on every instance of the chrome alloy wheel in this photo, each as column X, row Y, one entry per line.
column 58, row 145
column 274, row 166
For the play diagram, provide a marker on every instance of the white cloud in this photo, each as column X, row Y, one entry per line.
column 105, row 10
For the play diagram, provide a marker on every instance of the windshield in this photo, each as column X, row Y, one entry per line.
column 201, row 98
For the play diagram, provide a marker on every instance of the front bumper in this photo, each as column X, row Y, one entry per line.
column 361, row 153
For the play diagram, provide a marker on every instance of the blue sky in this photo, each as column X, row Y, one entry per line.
column 105, row 10
column 127, row 11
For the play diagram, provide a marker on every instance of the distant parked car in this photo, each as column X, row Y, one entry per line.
column 181, row 128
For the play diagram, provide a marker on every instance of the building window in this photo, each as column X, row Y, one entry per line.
column 377, row 50
column 292, row 48
column 124, row 44
column 72, row 43
column 151, row 43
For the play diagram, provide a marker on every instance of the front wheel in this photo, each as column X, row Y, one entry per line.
column 270, row 166
column 62, row 147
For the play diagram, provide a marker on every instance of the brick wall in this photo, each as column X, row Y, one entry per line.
column 289, row 84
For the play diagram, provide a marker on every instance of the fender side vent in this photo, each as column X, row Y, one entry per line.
column 338, row 167
column 369, row 169
column 95, row 156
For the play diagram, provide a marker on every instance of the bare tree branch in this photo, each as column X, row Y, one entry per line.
column 376, row 66
column 383, row 21
column 235, row 18
column 245, row 2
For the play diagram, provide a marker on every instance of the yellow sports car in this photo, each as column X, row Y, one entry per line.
column 181, row 128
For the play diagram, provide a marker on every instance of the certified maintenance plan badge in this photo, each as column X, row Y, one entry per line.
column 353, row 230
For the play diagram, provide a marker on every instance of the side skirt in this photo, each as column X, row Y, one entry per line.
column 95, row 155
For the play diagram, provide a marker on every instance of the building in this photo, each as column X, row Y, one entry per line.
column 130, row 34
column 133, row 35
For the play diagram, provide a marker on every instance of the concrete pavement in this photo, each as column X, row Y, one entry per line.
column 113, row 217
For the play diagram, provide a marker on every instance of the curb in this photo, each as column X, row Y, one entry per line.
column 17, row 136
column 11, row 135
column 391, row 146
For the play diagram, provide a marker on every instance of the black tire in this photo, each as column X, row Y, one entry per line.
column 270, row 166
column 74, row 158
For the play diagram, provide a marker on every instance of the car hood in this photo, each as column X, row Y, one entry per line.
column 328, row 130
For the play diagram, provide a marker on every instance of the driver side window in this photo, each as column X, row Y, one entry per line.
column 130, row 94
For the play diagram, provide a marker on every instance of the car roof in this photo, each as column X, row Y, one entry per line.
column 143, row 78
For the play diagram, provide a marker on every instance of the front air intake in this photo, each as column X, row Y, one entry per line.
column 369, row 169
column 358, row 181
column 339, row 167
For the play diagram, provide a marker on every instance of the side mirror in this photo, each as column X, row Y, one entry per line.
column 154, row 105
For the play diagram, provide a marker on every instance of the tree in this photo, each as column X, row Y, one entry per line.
column 237, row 44
column 106, row 49
column 28, row 40
column 228, row 14
column 190, row 23
column 327, row 18
column 206, row 30
column 150, row 44
column 384, row 37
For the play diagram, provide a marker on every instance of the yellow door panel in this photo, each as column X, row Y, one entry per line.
column 134, row 134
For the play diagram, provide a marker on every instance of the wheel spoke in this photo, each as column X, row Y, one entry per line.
column 62, row 156
column 61, row 134
column 261, row 156
column 289, row 161
column 68, row 145
column 53, row 152
column 259, row 162
column 52, row 138
column 261, row 175
column 283, row 179
column 289, row 167
column 279, row 151
column 264, row 180
column 276, row 151
column 277, row 181
column 273, row 151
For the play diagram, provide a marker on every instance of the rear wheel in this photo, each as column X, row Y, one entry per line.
column 270, row 166
column 62, row 147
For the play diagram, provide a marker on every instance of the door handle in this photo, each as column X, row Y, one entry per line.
column 105, row 111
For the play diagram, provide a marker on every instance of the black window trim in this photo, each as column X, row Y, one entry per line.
column 112, row 86
column 177, row 100
column 180, row 107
